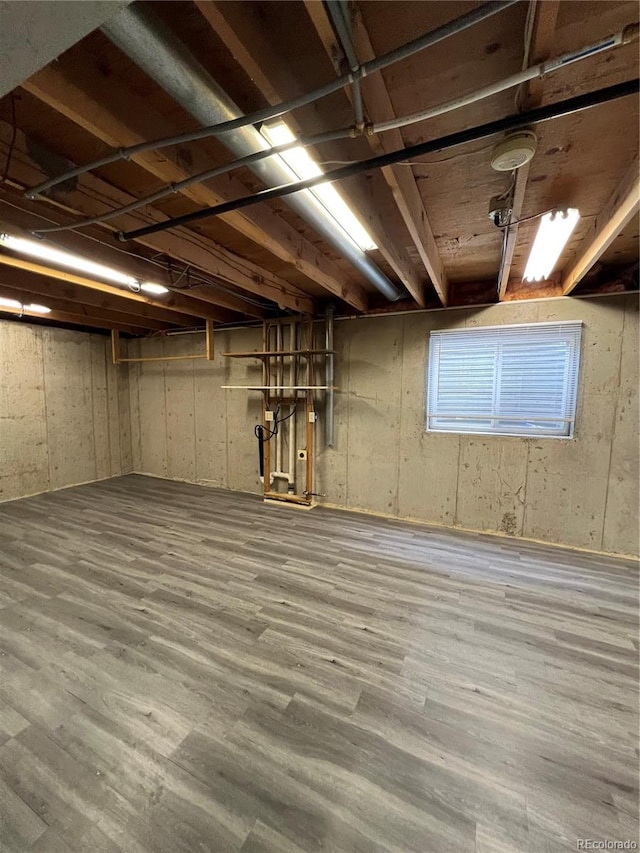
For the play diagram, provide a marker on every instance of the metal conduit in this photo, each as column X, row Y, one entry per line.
column 503, row 125
column 176, row 187
column 427, row 40
column 624, row 36
column 339, row 13
column 165, row 59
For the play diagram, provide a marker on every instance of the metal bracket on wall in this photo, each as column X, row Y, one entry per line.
column 208, row 347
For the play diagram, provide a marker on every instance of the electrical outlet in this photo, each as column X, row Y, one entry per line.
column 268, row 416
column 302, row 455
column 313, row 417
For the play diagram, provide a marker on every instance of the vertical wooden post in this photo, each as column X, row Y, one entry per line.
column 266, row 448
column 310, row 430
column 209, row 342
column 115, row 345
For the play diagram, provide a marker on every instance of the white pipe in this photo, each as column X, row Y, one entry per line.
column 629, row 33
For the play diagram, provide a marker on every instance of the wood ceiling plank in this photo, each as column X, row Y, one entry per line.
column 77, row 308
column 28, row 215
column 248, row 43
column 622, row 206
column 76, row 89
column 544, row 15
column 44, row 288
column 89, row 196
column 400, row 179
column 75, row 319
column 176, row 301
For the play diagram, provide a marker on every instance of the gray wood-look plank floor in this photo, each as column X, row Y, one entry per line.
column 185, row 669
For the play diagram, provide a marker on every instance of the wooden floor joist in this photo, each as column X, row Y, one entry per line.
column 259, row 58
column 543, row 15
column 176, row 301
column 90, row 196
column 79, row 91
column 400, row 179
column 67, row 297
column 620, row 209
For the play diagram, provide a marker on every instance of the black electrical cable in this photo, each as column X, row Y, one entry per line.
column 424, row 41
column 511, row 122
column 259, row 431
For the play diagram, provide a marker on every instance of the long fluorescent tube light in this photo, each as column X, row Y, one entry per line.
column 553, row 235
column 157, row 289
column 33, row 307
column 302, row 166
column 44, row 252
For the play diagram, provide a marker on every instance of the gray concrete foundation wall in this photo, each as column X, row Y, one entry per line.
column 580, row 492
column 64, row 410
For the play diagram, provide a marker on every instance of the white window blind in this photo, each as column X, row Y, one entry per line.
column 506, row 380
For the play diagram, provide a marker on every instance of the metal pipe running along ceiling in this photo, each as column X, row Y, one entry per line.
column 508, row 123
column 424, row 41
column 166, row 60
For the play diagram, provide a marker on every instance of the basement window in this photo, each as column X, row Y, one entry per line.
column 504, row 380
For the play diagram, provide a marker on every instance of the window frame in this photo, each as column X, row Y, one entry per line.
column 526, row 432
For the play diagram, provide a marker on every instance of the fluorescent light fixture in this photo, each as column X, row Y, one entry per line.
column 34, row 308
column 44, row 252
column 553, row 235
column 150, row 287
column 9, row 303
column 302, row 166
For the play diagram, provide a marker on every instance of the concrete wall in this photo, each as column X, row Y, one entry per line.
column 64, row 410
column 581, row 492
column 33, row 34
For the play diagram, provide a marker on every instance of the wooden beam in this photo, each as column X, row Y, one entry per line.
column 71, row 295
column 622, row 206
column 210, row 341
column 29, row 215
column 543, row 15
column 70, row 307
column 511, row 237
column 115, row 346
column 400, row 179
column 77, row 89
column 240, row 30
column 73, row 319
column 90, row 196
column 176, row 301
column 118, row 358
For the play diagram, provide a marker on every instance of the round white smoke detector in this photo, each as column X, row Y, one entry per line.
column 514, row 151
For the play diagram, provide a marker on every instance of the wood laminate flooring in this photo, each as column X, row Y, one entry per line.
column 187, row 669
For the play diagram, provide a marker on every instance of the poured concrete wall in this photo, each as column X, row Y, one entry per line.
column 34, row 34
column 64, row 410
column 581, row 492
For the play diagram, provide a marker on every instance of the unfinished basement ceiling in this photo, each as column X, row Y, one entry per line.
column 436, row 244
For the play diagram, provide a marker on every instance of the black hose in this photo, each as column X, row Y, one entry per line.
column 259, row 431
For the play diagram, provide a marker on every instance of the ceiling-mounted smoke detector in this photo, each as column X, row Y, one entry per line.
column 514, row 151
